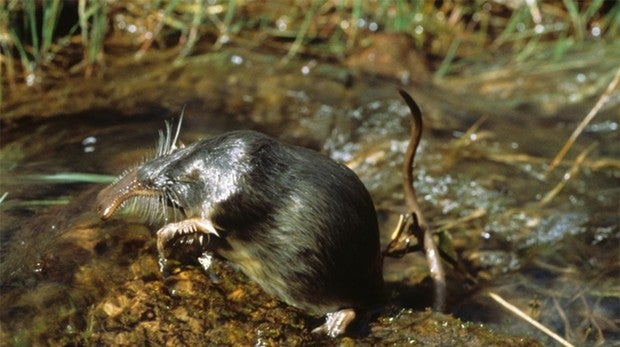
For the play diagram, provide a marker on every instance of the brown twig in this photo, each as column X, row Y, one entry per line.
column 593, row 112
column 568, row 175
column 529, row 319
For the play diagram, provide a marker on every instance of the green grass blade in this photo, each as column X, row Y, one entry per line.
column 31, row 18
column 62, row 177
column 573, row 12
column 51, row 13
column 303, row 29
column 447, row 61
column 21, row 50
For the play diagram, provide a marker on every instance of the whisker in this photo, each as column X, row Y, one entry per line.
column 176, row 135
column 166, row 143
column 168, row 139
column 173, row 194
column 160, row 144
column 163, row 214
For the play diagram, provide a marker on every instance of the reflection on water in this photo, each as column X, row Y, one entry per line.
column 65, row 276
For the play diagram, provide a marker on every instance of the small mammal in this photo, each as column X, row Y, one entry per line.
column 296, row 222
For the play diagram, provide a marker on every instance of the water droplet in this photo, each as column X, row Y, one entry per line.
column 224, row 39
column 120, row 22
column 281, row 23
column 236, row 59
column 90, row 140
column 580, row 78
column 38, row 267
column 539, row 28
column 603, row 127
column 30, row 79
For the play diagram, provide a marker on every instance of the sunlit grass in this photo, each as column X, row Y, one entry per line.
column 93, row 22
column 449, row 31
column 68, row 177
column 56, row 178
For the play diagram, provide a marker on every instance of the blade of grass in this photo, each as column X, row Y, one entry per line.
column 592, row 10
column 510, row 307
column 31, row 19
column 303, row 30
column 165, row 19
column 613, row 18
column 356, row 15
column 401, row 23
column 93, row 34
column 567, row 176
column 578, row 23
column 98, row 31
column 225, row 26
column 61, row 177
column 561, row 46
column 36, row 203
column 230, row 12
column 27, row 64
column 51, row 13
column 530, row 48
column 517, row 17
column 192, row 37
column 446, row 63
column 7, row 63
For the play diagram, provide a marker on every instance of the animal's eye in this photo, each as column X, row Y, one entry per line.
column 149, row 182
column 191, row 176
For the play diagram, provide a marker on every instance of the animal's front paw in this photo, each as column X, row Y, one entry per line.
column 336, row 322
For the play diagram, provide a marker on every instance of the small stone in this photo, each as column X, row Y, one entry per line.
column 180, row 313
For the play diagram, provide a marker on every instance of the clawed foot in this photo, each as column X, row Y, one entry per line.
column 185, row 227
column 336, row 323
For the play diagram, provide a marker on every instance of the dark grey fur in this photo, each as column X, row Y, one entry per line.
column 299, row 224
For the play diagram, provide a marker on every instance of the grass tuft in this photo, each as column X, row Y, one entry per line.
column 447, row 31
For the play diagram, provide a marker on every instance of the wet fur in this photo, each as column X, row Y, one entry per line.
column 299, row 224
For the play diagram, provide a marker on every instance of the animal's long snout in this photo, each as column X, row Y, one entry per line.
column 112, row 197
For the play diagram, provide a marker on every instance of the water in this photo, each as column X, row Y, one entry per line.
column 67, row 277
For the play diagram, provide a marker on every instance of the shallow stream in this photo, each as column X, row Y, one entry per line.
column 69, row 278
